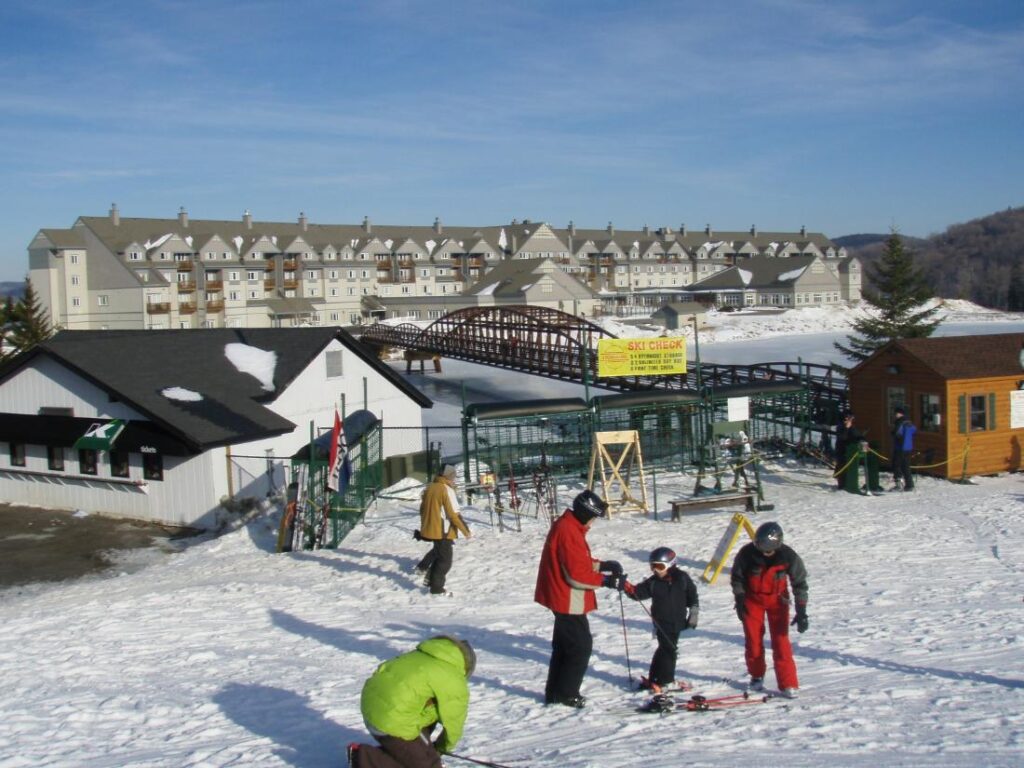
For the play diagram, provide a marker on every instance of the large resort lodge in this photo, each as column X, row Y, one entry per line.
column 114, row 272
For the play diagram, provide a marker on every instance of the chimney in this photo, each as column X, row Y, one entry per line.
column 367, row 226
column 572, row 229
column 438, row 227
column 666, row 233
column 647, row 231
column 707, row 230
column 183, row 217
column 303, row 224
column 611, row 229
column 803, row 231
column 682, row 230
column 753, row 230
column 247, row 219
column 115, row 215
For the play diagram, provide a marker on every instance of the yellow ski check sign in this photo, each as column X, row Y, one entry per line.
column 641, row 357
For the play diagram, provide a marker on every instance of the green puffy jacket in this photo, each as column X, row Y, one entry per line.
column 418, row 689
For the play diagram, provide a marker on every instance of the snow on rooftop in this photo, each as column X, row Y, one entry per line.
column 238, row 240
column 431, row 244
column 793, row 274
column 182, row 394
column 259, row 363
column 151, row 244
column 745, row 276
column 488, row 290
column 389, row 243
column 503, row 239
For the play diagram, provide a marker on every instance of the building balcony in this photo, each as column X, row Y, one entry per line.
column 383, row 278
column 185, row 266
column 290, row 264
column 158, row 308
column 475, row 262
column 186, row 309
column 215, row 285
column 269, row 285
column 215, row 306
column 407, row 263
column 186, row 286
column 407, row 279
column 290, row 285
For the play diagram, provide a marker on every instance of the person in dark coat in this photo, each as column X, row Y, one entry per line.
column 902, row 446
column 762, row 573
column 567, row 578
column 674, row 607
column 846, row 435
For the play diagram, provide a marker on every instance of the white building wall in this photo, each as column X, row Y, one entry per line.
column 47, row 383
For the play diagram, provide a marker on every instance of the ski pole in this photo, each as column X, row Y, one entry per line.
column 658, row 628
column 474, row 760
column 625, row 639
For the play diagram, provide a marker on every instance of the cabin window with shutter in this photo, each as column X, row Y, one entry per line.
column 334, row 366
column 977, row 412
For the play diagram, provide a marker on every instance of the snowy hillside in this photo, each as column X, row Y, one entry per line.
column 227, row 654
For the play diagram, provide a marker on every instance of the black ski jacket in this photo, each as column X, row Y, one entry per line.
column 671, row 598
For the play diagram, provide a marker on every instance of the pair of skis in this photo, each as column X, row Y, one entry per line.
column 698, row 703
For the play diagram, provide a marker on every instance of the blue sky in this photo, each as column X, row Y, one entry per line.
column 842, row 116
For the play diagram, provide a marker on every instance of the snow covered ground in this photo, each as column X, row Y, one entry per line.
column 229, row 655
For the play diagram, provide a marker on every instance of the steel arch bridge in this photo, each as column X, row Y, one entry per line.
column 551, row 343
column 537, row 340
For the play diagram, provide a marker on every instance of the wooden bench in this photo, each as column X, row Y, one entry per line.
column 711, row 500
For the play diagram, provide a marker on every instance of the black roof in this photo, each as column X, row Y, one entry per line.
column 135, row 366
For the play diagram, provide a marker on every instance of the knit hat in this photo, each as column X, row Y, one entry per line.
column 449, row 471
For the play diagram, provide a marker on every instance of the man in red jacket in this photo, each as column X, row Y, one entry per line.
column 566, row 581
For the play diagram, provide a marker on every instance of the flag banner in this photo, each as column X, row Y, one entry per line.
column 100, row 436
column 339, row 468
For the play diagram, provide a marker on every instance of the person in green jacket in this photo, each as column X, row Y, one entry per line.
column 407, row 697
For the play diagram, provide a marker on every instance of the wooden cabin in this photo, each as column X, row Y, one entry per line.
column 965, row 395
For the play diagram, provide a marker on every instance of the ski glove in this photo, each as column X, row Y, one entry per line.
column 610, row 566
column 801, row 621
column 691, row 620
column 741, row 607
column 613, row 581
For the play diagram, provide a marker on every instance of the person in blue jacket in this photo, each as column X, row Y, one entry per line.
column 902, row 446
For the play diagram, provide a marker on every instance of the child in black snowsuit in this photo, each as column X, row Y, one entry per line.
column 674, row 607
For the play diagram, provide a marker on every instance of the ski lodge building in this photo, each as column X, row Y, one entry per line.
column 965, row 395
column 206, row 417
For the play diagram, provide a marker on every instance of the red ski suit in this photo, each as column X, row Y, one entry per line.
column 761, row 587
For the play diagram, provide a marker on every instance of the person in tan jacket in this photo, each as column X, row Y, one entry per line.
column 438, row 507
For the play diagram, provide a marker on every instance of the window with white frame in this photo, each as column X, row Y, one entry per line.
column 252, row 275
column 76, row 302
column 103, row 300
column 73, row 258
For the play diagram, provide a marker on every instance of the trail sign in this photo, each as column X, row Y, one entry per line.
column 653, row 356
column 100, row 436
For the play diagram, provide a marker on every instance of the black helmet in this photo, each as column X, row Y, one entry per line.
column 588, row 505
column 768, row 537
column 662, row 555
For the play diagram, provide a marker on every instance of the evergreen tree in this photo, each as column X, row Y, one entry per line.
column 28, row 323
column 898, row 291
column 1015, row 292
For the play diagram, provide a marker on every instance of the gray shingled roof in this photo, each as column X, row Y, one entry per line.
column 764, row 272
column 135, row 366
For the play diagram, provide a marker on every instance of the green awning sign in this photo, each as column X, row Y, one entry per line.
column 100, row 437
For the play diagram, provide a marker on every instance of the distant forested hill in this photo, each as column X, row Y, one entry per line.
column 979, row 260
column 16, row 290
